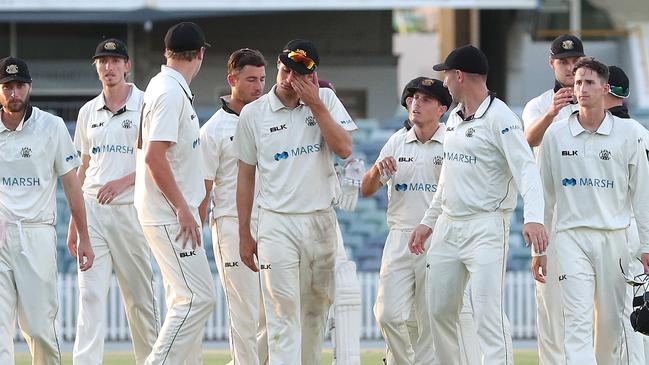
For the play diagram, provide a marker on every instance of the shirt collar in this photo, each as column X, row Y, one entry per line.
column 482, row 109
column 438, row 136
column 168, row 71
column 224, row 105
column 132, row 103
column 275, row 103
column 28, row 113
column 604, row 128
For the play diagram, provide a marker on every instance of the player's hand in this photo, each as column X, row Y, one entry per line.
column 561, row 98
column 108, row 192
column 248, row 251
column 188, row 230
column 85, row 255
column 73, row 237
column 418, row 239
column 387, row 166
column 307, row 89
column 645, row 262
column 539, row 268
column 534, row 234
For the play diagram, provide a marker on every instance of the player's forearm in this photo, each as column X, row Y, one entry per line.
column 128, row 180
column 371, row 182
column 245, row 196
column 158, row 166
column 202, row 209
column 534, row 133
column 74, row 196
column 336, row 137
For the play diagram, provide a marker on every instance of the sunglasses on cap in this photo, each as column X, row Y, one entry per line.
column 297, row 56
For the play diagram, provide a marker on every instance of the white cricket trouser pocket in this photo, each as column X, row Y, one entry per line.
column 589, row 273
column 242, row 291
column 296, row 256
column 28, row 276
column 474, row 247
column 118, row 243
column 401, row 285
column 191, row 296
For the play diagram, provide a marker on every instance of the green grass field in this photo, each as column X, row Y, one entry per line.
column 368, row 357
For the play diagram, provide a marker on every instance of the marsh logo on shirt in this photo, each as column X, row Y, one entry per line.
column 111, row 148
column 298, row 151
column 605, row 155
column 280, row 156
column 469, row 132
column 426, row 187
column 569, row 182
column 510, row 128
column 460, row 157
column 310, row 121
column 70, row 158
column 346, row 121
column 438, row 160
column 588, row 182
column 127, row 124
column 26, row 152
column 20, row 181
column 406, row 159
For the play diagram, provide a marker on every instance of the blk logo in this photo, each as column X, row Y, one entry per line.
column 569, row 182
column 187, row 254
column 265, row 267
column 450, row 129
column 605, row 155
column 568, row 153
column 406, row 159
column 469, row 132
column 127, row 124
column 96, row 125
column 232, row 264
column 278, row 128
column 193, row 116
column 280, row 156
column 401, row 187
column 562, row 277
column 26, row 152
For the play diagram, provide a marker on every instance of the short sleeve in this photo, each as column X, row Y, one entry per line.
column 211, row 150
column 337, row 110
column 164, row 118
column 244, row 138
column 66, row 157
column 80, row 135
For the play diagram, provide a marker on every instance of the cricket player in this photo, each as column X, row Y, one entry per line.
column 106, row 128
column 553, row 105
column 487, row 159
column 169, row 188
column 410, row 164
column 594, row 172
column 35, row 150
column 636, row 349
column 290, row 136
column 246, row 77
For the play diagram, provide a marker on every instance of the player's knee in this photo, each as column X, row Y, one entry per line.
column 386, row 317
column 43, row 337
column 91, row 296
column 205, row 302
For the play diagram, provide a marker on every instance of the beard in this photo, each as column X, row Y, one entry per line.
column 16, row 106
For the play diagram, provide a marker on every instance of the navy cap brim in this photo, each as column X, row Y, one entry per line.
column 446, row 103
column 567, row 54
column 109, row 54
column 441, row 67
column 298, row 67
column 12, row 78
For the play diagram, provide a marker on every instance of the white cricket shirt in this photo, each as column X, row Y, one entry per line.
column 109, row 140
column 486, row 158
column 31, row 159
column 595, row 180
column 413, row 185
column 535, row 108
column 168, row 115
column 294, row 164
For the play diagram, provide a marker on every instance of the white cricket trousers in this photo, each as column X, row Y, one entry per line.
column 402, row 280
column 549, row 313
column 190, row 293
column 297, row 256
column 28, row 289
column 242, row 292
column 118, row 243
column 589, row 268
column 473, row 247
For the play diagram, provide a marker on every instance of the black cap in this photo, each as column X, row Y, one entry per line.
column 434, row 88
column 14, row 69
column 406, row 92
column 619, row 82
column 566, row 45
column 185, row 36
column 467, row 59
column 111, row 47
column 301, row 56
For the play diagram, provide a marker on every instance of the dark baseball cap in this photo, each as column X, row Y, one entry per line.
column 185, row 36
column 434, row 88
column 467, row 59
column 301, row 56
column 619, row 82
column 406, row 90
column 14, row 69
column 566, row 45
column 111, row 47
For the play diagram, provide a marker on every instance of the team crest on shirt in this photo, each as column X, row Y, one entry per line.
column 12, row 69
column 26, row 152
column 605, row 155
column 310, row 121
column 568, row 44
column 127, row 124
column 470, row 132
column 438, row 160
